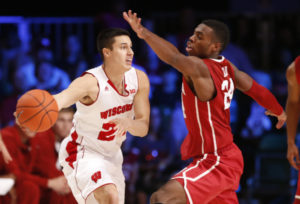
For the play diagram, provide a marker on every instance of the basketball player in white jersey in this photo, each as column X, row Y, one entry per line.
column 111, row 99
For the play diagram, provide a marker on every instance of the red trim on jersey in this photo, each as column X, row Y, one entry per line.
column 76, row 175
column 71, row 148
column 113, row 86
column 297, row 69
column 88, row 104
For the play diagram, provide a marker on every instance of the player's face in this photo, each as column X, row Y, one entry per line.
column 201, row 43
column 63, row 125
column 122, row 52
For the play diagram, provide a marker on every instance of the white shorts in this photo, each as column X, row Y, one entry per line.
column 87, row 170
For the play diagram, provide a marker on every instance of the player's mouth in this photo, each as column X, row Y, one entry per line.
column 129, row 61
column 188, row 47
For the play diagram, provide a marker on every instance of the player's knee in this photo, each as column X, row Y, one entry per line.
column 170, row 193
column 106, row 195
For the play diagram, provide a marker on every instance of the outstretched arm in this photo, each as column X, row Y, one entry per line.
column 261, row 95
column 167, row 52
column 79, row 89
column 293, row 111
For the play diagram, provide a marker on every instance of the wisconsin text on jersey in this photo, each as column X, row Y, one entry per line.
column 116, row 110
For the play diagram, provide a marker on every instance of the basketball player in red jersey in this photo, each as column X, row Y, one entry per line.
column 208, row 84
column 293, row 110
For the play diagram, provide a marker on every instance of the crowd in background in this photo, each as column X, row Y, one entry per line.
column 262, row 44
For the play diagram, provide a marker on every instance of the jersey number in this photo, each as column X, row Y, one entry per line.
column 228, row 88
column 107, row 132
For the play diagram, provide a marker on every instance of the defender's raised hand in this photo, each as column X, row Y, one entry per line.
column 135, row 23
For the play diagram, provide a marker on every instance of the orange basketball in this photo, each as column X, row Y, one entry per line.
column 37, row 110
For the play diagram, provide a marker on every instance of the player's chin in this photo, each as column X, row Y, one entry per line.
column 127, row 66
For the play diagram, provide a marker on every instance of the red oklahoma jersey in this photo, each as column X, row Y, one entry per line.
column 208, row 122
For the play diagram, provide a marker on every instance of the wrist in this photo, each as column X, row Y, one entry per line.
column 290, row 142
column 145, row 33
column 49, row 183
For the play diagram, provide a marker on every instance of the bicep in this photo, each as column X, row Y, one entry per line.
column 293, row 86
column 189, row 65
column 243, row 81
column 78, row 89
column 141, row 100
column 293, row 92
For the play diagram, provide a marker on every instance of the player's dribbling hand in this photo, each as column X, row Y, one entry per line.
column 134, row 22
column 293, row 155
column 281, row 118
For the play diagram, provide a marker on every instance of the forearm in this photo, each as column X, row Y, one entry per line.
column 165, row 50
column 67, row 97
column 77, row 90
column 292, row 110
column 264, row 98
column 63, row 101
column 138, row 127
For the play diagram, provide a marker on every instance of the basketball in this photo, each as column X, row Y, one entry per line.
column 37, row 110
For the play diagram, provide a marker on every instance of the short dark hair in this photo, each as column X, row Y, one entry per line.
column 105, row 38
column 221, row 31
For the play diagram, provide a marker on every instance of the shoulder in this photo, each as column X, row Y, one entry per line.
column 291, row 73
column 143, row 80
column 87, row 78
column 141, row 74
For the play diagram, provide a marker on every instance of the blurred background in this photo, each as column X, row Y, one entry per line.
column 47, row 46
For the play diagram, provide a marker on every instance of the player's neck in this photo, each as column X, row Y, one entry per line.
column 114, row 74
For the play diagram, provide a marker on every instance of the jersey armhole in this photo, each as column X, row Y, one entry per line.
column 214, row 82
column 89, row 104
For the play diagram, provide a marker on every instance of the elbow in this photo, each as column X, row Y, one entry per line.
column 173, row 59
column 144, row 132
column 139, row 128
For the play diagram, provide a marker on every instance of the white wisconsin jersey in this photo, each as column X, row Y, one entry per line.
column 91, row 122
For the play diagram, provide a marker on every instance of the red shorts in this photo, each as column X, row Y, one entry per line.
column 213, row 178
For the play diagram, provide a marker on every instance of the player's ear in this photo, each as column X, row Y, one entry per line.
column 106, row 52
column 217, row 46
